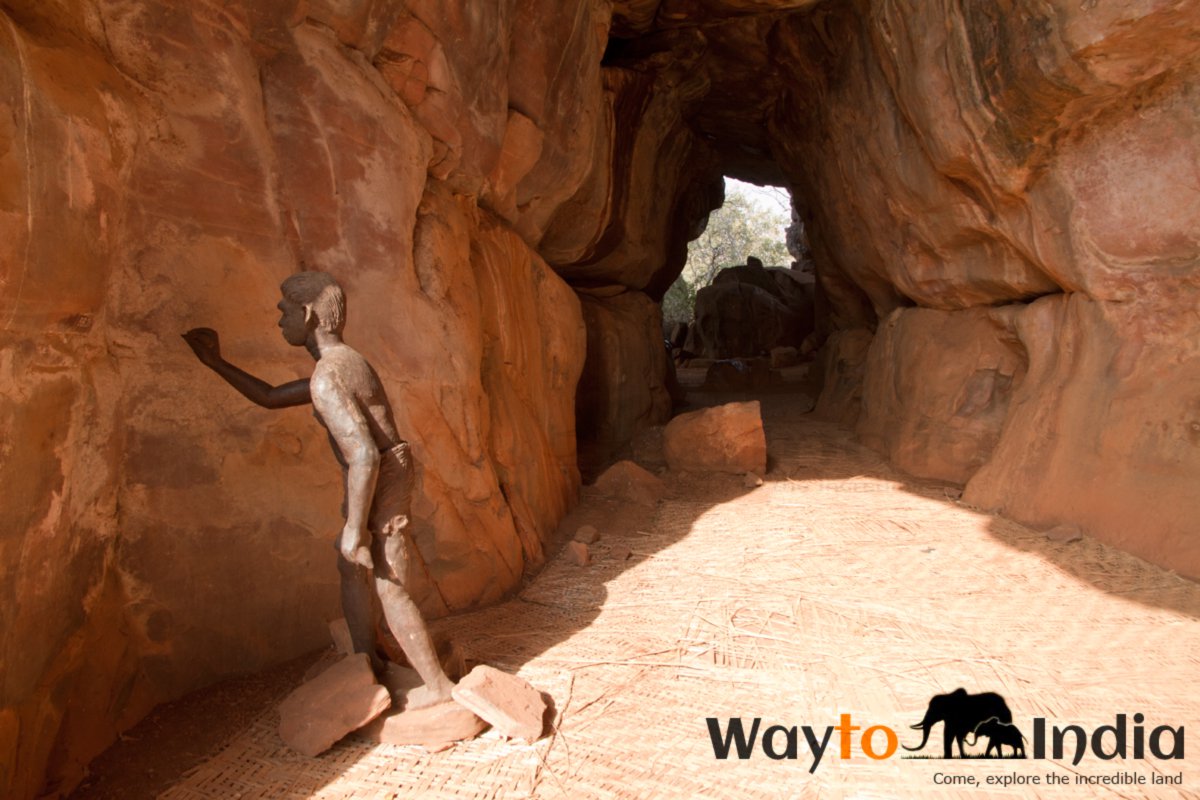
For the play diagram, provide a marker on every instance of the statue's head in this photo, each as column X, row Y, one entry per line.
column 311, row 301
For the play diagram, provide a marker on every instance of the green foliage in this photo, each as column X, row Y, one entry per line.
column 679, row 302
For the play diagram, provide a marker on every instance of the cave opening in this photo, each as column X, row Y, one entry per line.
column 753, row 238
column 705, row 104
column 739, row 318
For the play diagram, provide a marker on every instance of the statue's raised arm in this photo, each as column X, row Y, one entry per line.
column 207, row 346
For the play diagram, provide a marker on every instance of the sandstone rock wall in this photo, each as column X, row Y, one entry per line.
column 960, row 169
column 937, row 388
column 621, row 239
column 970, row 160
column 1104, row 430
column 623, row 390
column 165, row 166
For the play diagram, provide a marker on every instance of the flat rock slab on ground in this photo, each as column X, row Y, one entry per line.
column 509, row 703
column 341, row 699
column 434, row 727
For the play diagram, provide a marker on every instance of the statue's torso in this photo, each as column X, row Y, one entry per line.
column 364, row 389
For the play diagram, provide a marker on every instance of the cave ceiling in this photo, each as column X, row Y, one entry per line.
column 727, row 54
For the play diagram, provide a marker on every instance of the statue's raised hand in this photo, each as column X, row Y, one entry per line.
column 205, row 344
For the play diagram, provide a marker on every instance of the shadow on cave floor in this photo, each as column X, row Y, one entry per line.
column 838, row 586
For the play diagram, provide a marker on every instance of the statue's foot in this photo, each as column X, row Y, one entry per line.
column 409, row 692
column 424, row 696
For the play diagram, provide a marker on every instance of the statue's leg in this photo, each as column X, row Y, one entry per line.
column 389, row 551
column 358, row 606
column 408, row 626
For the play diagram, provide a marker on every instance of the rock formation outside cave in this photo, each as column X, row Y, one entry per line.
column 1002, row 203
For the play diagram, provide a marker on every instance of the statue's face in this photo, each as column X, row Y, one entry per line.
column 292, row 322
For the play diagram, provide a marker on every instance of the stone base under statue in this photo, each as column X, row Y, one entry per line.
column 435, row 727
column 343, row 697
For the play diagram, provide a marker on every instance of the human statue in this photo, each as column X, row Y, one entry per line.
column 349, row 401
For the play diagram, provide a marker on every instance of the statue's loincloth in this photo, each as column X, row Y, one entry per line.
column 389, row 518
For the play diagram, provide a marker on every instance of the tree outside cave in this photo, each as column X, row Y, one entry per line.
column 751, row 222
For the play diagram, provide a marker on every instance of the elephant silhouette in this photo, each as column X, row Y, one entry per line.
column 959, row 714
column 999, row 734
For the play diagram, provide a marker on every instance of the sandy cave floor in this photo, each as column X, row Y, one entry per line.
column 839, row 586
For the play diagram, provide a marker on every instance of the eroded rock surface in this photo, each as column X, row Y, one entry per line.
column 937, row 388
column 624, row 388
column 988, row 158
column 1103, row 432
column 978, row 162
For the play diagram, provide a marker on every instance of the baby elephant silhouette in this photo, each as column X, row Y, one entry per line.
column 999, row 734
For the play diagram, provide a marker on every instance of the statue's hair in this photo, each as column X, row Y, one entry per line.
column 321, row 292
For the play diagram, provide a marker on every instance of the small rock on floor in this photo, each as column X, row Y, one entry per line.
column 1064, row 534
column 510, row 704
column 341, row 699
column 625, row 480
column 577, row 553
column 587, row 534
column 727, row 438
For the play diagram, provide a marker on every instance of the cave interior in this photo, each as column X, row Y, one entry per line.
column 1000, row 199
